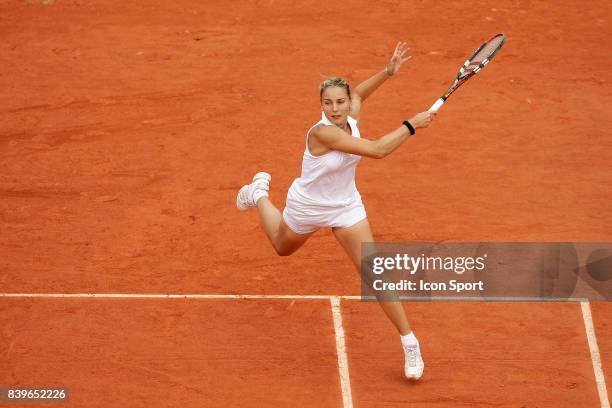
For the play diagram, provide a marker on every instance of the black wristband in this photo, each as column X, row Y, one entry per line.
column 410, row 128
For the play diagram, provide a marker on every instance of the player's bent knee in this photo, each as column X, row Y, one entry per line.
column 287, row 241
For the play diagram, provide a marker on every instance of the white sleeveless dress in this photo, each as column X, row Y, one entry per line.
column 325, row 195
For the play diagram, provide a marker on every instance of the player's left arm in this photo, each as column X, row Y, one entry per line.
column 367, row 87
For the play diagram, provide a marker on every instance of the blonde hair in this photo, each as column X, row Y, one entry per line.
column 335, row 81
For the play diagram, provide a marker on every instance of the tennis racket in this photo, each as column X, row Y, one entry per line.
column 475, row 63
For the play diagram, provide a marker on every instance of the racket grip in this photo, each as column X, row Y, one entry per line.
column 436, row 105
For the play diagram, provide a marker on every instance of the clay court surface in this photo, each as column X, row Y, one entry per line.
column 126, row 129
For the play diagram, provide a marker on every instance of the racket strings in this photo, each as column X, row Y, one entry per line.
column 487, row 50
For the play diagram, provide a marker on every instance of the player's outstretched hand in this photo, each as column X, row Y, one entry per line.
column 398, row 58
column 423, row 119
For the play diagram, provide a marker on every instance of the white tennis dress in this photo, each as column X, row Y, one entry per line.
column 325, row 194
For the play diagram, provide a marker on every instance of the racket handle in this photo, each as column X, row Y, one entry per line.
column 437, row 105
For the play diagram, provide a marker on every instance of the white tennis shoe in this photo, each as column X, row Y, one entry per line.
column 414, row 365
column 247, row 194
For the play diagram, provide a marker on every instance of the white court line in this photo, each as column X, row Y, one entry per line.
column 595, row 356
column 345, row 382
column 253, row 296
column 171, row 296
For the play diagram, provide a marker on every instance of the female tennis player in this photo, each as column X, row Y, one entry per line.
column 325, row 195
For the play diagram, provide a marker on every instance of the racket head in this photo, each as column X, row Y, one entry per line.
column 476, row 62
column 487, row 51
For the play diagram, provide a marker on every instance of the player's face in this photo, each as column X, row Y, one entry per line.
column 336, row 104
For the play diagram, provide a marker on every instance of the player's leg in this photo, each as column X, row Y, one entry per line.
column 283, row 239
column 351, row 238
column 255, row 194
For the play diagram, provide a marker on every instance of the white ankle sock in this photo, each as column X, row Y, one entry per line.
column 259, row 193
column 409, row 340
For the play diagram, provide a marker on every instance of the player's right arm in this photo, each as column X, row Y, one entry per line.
column 335, row 138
